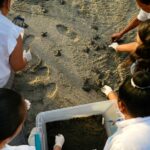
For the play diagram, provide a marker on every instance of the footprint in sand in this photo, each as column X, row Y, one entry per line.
column 62, row 29
column 51, row 90
column 40, row 73
column 36, row 80
column 65, row 31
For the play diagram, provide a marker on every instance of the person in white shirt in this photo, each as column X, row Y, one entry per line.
column 13, row 112
column 133, row 101
column 143, row 15
column 12, row 57
column 140, row 49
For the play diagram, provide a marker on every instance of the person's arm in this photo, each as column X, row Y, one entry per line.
column 132, row 24
column 130, row 47
column 112, row 96
column 59, row 141
column 17, row 59
column 57, row 148
column 107, row 90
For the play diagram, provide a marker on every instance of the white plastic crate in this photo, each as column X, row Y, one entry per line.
column 105, row 108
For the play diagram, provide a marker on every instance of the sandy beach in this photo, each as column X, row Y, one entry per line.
column 71, row 59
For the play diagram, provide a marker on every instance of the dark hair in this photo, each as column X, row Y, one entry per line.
column 136, row 99
column 143, row 51
column 12, row 112
column 1, row 3
column 146, row 2
column 144, row 32
column 143, row 59
column 142, row 65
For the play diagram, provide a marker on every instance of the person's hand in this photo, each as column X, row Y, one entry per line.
column 27, row 55
column 59, row 140
column 28, row 104
column 106, row 90
column 114, row 46
column 116, row 36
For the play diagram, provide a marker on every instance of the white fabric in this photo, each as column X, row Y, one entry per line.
column 27, row 55
column 133, row 67
column 22, row 147
column 59, row 140
column 9, row 34
column 114, row 46
column 31, row 139
column 132, row 134
column 143, row 16
column 106, row 90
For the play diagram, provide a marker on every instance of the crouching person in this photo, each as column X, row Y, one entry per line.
column 12, row 56
column 13, row 112
column 134, row 103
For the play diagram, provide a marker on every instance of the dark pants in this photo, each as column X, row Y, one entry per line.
column 9, row 84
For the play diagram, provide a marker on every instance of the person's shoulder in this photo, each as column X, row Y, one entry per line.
column 7, row 23
column 8, row 28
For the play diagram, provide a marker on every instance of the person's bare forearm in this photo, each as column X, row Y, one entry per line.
column 16, row 60
column 113, row 96
column 132, row 24
column 130, row 47
column 57, row 148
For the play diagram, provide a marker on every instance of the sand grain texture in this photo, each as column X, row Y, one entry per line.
column 80, row 30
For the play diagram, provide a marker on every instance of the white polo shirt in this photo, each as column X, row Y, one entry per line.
column 9, row 34
column 22, row 147
column 132, row 134
column 143, row 16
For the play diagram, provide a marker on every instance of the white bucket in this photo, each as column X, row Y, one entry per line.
column 105, row 108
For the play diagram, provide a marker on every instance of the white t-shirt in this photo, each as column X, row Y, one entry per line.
column 143, row 16
column 9, row 34
column 22, row 147
column 132, row 134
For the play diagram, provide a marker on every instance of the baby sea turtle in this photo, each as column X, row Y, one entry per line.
column 96, row 37
column 44, row 10
column 58, row 53
column 86, row 86
column 86, row 50
column 44, row 34
column 97, row 48
column 62, row 2
column 95, row 27
column 18, row 20
column 92, row 42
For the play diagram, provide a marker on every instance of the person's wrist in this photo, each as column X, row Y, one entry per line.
column 116, row 49
column 122, row 33
column 57, row 147
column 110, row 93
